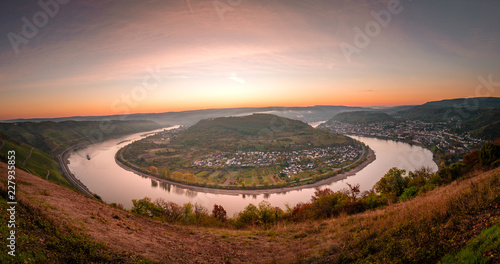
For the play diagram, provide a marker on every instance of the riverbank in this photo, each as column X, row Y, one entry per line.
column 62, row 159
column 369, row 159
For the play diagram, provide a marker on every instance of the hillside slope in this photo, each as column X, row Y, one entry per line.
column 362, row 117
column 53, row 137
column 121, row 231
column 421, row 230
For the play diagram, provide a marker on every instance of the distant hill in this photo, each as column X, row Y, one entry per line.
column 479, row 116
column 476, row 102
column 454, row 109
column 250, row 125
column 362, row 117
column 52, row 137
column 306, row 114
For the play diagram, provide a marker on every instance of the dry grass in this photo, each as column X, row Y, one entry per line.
column 418, row 231
column 421, row 230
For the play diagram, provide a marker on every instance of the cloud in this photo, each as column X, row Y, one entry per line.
column 236, row 78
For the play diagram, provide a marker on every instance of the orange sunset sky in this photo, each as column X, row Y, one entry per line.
column 115, row 57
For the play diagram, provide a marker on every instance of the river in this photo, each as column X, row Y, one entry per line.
column 114, row 184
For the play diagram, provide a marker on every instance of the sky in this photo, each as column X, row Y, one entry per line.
column 82, row 58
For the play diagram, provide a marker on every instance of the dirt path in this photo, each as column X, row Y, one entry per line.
column 66, row 173
column 29, row 156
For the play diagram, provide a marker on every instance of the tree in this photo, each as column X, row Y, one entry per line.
column 146, row 207
column 250, row 215
column 153, row 170
column 472, row 159
column 267, row 213
column 326, row 203
column 353, row 191
column 489, row 154
column 420, row 177
column 393, row 183
column 219, row 213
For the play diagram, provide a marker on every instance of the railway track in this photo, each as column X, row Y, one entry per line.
column 69, row 176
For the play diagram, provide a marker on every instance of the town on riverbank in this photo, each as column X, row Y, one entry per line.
column 446, row 146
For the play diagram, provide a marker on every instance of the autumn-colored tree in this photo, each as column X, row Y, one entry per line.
column 353, row 191
column 219, row 213
column 153, row 170
column 472, row 159
column 320, row 193
column 177, row 175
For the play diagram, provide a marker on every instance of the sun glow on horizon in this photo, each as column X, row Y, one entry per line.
column 89, row 61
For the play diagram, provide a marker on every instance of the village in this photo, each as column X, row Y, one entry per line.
column 435, row 136
column 290, row 162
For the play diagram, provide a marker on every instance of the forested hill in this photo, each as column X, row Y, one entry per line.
column 52, row 137
column 477, row 102
column 454, row 109
column 250, row 125
column 480, row 116
column 274, row 131
column 362, row 117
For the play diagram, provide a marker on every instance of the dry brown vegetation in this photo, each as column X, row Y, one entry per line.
column 417, row 231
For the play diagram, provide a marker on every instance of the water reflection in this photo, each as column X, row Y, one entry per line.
column 154, row 183
column 179, row 191
column 191, row 194
column 165, row 186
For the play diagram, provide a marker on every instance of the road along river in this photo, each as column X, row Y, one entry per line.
column 103, row 176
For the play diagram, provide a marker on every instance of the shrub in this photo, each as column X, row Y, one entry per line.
column 393, row 183
column 372, row 201
column 489, row 154
column 300, row 212
column 146, row 207
column 219, row 213
column 409, row 193
column 117, row 206
column 249, row 216
column 326, row 203
column 472, row 160
column 420, row 177
column 97, row 197
column 172, row 212
column 201, row 215
column 267, row 213
column 353, row 207
column 187, row 213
